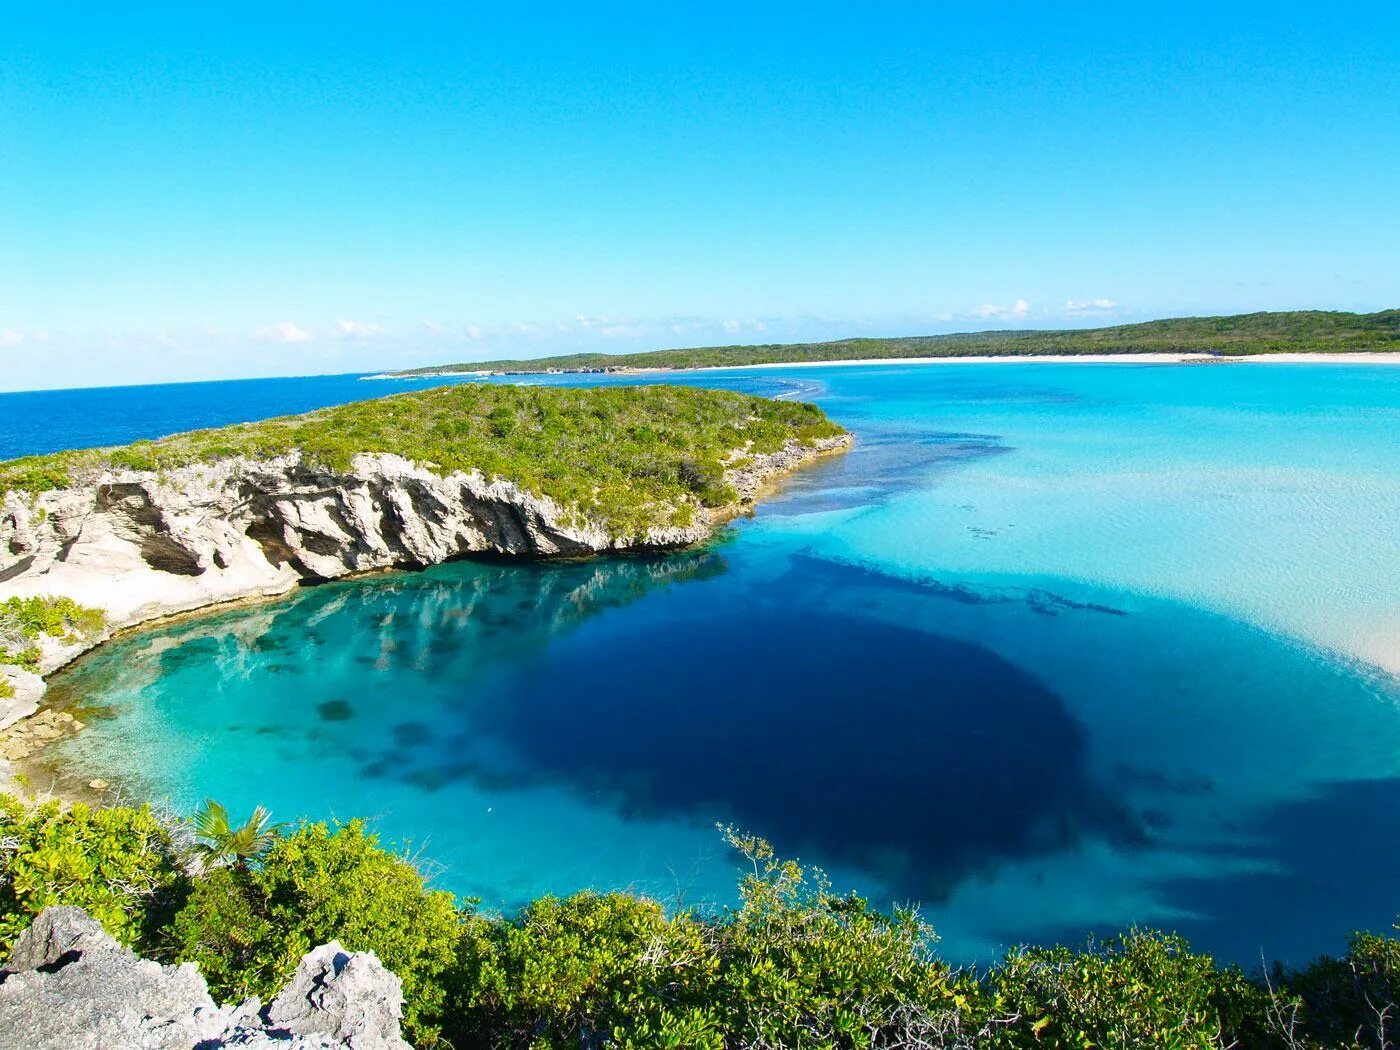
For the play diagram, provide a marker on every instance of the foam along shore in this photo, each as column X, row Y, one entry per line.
column 143, row 544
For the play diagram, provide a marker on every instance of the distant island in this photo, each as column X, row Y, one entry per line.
column 1238, row 335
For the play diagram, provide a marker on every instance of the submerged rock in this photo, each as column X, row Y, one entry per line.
column 70, row 986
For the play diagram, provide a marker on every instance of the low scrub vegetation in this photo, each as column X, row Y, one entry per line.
column 627, row 457
column 24, row 620
column 1297, row 331
column 793, row 964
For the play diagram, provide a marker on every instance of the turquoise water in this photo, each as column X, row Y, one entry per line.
column 1054, row 648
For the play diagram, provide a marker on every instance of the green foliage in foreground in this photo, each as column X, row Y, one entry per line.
column 1299, row 331
column 793, row 965
column 630, row 457
column 118, row 864
column 218, row 842
column 249, row 927
column 23, row 620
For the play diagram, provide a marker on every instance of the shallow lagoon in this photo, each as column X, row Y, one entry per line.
column 1056, row 647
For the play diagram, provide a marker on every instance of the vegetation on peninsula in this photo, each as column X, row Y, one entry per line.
column 793, row 964
column 629, row 458
column 1299, row 331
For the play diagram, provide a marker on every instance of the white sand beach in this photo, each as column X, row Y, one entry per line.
column 1385, row 358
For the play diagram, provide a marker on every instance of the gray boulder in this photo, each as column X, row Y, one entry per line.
column 70, row 986
column 336, row 998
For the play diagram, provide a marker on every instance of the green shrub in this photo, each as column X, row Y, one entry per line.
column 564, row 973
column 1352, row 1002
column 802, row 966
column 249, row 927
column 118, row 864
column 23, row 620
column 794, row 966
column 1141, row 989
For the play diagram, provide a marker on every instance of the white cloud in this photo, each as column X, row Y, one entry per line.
column 731, row 325
column 1089, row 306
column 358, row 329
column 1019, row 309
column 284, row 332
column 9, row 337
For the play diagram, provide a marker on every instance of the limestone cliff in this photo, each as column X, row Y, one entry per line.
column 140, row 545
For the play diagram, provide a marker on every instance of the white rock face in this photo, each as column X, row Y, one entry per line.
column 25, row 688
column 141, row 545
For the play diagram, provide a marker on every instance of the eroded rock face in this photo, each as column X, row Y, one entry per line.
column 141, row 545
column 70, row 986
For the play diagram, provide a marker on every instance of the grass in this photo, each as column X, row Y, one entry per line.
column 628, row 458
column 1300, row 331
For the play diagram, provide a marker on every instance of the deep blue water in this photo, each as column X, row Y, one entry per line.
column 1054, row 648
column 48, row 420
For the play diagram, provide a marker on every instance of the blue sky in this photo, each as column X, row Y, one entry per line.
column 288, row 189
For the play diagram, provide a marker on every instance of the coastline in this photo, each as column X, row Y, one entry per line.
column 1345, row 358
column 29, row 725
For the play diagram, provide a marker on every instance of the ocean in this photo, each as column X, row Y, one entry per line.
column 1056, row 648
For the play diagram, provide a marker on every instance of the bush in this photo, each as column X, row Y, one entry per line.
column 247, row 928
column 1353, row 1001
column 565, row 973
column 805, row 967
column 23, row 620
column 1141, row 989
column 117, row 864
column 794, row 966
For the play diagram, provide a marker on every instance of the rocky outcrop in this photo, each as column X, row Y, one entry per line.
column 70, row 986
column 20, row 696
column 140, row 545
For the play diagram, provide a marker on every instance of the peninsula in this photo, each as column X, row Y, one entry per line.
column 96, row 540
column 1239, row 335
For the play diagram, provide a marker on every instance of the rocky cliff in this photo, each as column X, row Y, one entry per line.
column 70, row 986
column 141, row 545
